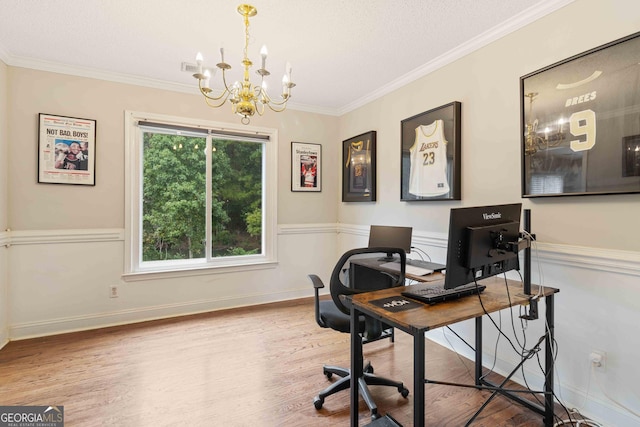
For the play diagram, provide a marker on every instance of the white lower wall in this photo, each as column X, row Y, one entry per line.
column 597, row 308
column 61, row 282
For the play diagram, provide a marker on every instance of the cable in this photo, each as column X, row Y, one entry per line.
column 491, row 318
column 421, row 252
column 456, row 352
column 609, row 397
column 583, row 421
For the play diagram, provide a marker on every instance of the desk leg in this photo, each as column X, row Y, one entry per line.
column 418, row 379
column 478, row 350
column 356, row 366
column 548, row 362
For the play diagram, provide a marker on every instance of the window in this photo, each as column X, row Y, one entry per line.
column 199, row 196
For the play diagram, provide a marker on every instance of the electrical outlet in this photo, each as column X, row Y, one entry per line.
column 113, row 291
column 598, row 359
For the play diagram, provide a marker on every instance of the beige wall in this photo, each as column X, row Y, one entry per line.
column 486, row 82
column 34, row 206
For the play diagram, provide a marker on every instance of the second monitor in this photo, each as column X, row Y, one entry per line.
column 390, row 237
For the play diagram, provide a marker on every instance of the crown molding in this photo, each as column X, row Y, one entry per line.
column 130, row 79
column 503, row 29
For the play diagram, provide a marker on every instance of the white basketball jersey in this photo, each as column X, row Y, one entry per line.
column 428, row 175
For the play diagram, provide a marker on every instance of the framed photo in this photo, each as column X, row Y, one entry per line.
column 306, row 167
column 580, row 123
column 430, row 155
column 359, row 168
column 66, row 150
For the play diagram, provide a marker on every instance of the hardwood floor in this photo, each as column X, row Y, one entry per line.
column 253, row 366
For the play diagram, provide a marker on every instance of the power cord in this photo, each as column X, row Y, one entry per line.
column 421, row 252
column 607, row 395
column 583, row 421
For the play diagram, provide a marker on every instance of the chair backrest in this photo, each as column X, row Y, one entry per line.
column 340, row 283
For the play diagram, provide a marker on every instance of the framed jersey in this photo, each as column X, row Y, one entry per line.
column 430, row 155
column 580, row 123
column 359, row 168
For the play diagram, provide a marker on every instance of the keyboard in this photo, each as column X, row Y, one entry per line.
column 433, row 293
column 409, row 269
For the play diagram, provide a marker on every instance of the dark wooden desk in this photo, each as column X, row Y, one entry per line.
column 427, row 317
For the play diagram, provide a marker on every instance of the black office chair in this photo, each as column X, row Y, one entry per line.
column 335, row 314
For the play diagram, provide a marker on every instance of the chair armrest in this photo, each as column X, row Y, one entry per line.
column 317, row 284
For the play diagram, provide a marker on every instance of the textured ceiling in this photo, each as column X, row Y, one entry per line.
column 343, row 52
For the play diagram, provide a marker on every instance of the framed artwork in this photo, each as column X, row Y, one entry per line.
column 580, row 123
column 306, row 167
column 66, row 150
column 430, row 155
column 359, row 168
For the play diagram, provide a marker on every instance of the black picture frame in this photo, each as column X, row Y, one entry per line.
column 306, row 167
column 359, row 168
column 432, row 138
column 579, row 117
column 66, row 150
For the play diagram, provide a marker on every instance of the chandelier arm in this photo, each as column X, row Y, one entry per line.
column 206, row 95
column 222, row 99
column 276, row 109
column 259, row 107
column 279, row 103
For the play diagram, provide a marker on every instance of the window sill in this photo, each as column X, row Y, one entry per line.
column 196, row 270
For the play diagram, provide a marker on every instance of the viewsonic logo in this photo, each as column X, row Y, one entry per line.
column 495, row 215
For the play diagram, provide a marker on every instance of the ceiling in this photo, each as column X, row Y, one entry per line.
column 343, row 53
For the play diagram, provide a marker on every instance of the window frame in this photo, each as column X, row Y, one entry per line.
column 134, row 268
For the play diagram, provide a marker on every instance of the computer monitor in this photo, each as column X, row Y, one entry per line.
column 483, row 242
column 390, row 237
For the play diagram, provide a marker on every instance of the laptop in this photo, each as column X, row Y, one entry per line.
column 432, row 293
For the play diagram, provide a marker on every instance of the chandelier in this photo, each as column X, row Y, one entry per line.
column 245, row 97
column 534, row 140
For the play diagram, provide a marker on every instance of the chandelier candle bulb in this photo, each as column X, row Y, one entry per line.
column 199, row 62
column 207, row 76
column 263, row 53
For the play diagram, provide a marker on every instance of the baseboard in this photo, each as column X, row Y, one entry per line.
column 4, row 338
column 123, row 317
column 589, row 406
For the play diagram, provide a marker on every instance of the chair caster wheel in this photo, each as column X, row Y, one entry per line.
column 404, row 391
column 328, row 375
column 374, row 416
column 317, row 402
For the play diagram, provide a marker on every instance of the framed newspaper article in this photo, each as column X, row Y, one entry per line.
column 430, row 155
column 306, row 167
column 66, row 150
column 580, row 123
column 359, row 168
